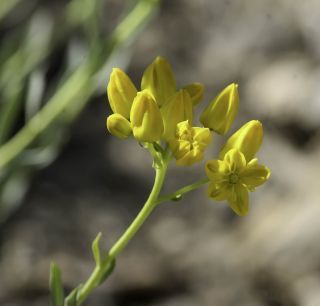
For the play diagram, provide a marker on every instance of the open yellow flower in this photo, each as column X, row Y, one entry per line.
column 232, row 178
column 189, row 143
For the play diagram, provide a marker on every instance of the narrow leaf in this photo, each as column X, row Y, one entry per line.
column 55, row 284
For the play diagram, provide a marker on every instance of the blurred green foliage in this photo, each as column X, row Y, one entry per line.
column 35, row 113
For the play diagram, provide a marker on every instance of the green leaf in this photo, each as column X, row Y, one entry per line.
column 108, row 270
column 71, row 299
column 55, row 284
column 96, row 249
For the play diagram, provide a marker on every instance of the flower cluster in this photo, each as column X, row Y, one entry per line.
column 154, row 114
column 163, row 115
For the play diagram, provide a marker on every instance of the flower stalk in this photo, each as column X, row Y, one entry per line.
column 107, row 264
column 148, row 207
column 95, row 279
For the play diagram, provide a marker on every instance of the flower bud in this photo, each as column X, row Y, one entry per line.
column 189, row 143
column 159, row 79
column 195, row 90
column 118, row 126
column 145, row 117
column 121, row 92
column 247, row 139
column 221, row 112
column 177, row 109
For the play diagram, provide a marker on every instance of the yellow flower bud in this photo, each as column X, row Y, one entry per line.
column 118, row 126
column 195, row 90
column 189, row 143
column 221, row 112
column 247, row 140
column 121, row 92
column 177, row 109
column 145, row 117
column 159, row 79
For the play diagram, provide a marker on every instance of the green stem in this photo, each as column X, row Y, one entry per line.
column 143, row 214
column 7, row 6
column 122, row 242
column 181, row 191
column 79, row 83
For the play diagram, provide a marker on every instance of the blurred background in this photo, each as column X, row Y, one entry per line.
column 63, row 179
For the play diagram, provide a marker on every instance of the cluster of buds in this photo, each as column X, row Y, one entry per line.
column 160, row 113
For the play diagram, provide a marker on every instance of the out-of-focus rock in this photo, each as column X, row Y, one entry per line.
column 287, row 85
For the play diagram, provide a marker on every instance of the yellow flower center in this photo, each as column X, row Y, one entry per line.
column 233, row 178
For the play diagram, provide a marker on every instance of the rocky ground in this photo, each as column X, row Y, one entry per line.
column 194, row 252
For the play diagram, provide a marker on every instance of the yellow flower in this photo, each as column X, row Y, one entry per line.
column 221, row 112
column 160, row 80
column 118, row 126
column 189, row 143
column 232, row 178
column 247, row 139
column 177, row 109
column 121, row 92
column 145, row 117
column 195, row 91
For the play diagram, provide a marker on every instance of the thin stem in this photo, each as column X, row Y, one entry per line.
column 7, row 6
column 122, row 242
column 143, row 214
column 181, row 191
column 79, row 82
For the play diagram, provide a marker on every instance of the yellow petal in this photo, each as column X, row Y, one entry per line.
column 216, row 170
column 177, row 109
column 202, row 136
column 184, row 131
column 219, row 192
column 254, row 175
column 121, row 92
column 190, row 158
column 247, row 139
column 221, row 112
column 118, row 126
column 179, row 148
column 195, row 91
column 159, row 79
column 145, row 117
column 235, row 159
column 239, row 200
